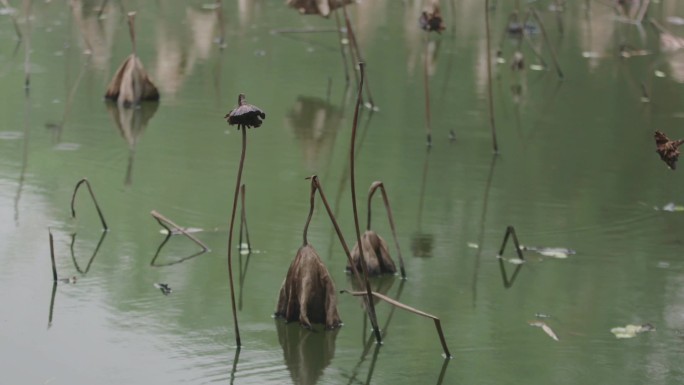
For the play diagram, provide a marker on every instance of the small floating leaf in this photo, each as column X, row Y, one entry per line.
column 671, row 207
column 545, row 328
column 473, row 245
column 516, row 261
column 165, row 289
column 630, row 331
column 536, row 67
column 659, row 74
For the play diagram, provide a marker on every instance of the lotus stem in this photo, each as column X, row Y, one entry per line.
column 92, row 257
column 510, row 231
column 164, row 220
column 243, row 220
column 438, row 324
column 371, row 306
column 388, row 208
column 339, row 38
column 52, row 303
column 489, row 80
column 222, row 23
column 131, row 30
column 426, row 89
column 52, row 256
column 17, row 30
column 354, row 44
column 92, row 195
column 548, row 42
column 230, row 232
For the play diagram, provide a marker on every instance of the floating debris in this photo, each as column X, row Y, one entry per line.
column 537, row 67
column 165, row 289
column 667, row 149
column 554, row 252
column 473, row 245
column 671, row 207
column 630, row 331
column 591, row 55
column 659, row 74
column 514, row 261
column 11, row 135
column 541, row 315
column 317, row 7
column 546, row 328
column 188, row 230
column 71, row 280
column 675, row 20
column 67, row 146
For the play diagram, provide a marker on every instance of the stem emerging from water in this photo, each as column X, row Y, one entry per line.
column 371, row 305
column 489, row 80
column 230, row 233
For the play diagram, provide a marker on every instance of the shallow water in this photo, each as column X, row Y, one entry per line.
column 576, row 169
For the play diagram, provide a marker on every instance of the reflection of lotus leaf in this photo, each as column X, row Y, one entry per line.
column 315, row 123
column 306, row 354
column 421, row 245
column 317, row 7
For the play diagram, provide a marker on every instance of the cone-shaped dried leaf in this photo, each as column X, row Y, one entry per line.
column 317, row 7
column 308, row 293
column 376, row 254
column 668, row 149
column 130, row 84
column 245, row 115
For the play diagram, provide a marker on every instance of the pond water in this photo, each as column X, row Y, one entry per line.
column 576, row 169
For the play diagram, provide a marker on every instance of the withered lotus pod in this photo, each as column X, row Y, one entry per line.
column 375, row 252
column 431, row 19
column 668, row 149
column 245, row 115
column 308, row 293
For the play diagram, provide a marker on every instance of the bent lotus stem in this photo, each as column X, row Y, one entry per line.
column 438, row 323
column 548, row 42
column 163, row 221
column 370, row 307
column 379, row 185
column 354, row 44
column 230, row 232
column 92, row 195
column 364, row 268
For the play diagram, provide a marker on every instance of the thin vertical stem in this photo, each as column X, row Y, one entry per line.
column 489, row 80
column 354, row 44
column 52, row 257
column 243, row 220
column 344, row 55
column 305, row 241
column 131, row 30
column 230, row 233
column 371, row 305
column 426, row 88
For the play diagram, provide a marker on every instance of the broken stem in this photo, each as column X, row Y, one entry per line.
column 164, row 220
column 438, row 324
column 371, row 191
column 489, row 80
column 92, row 195
column 230, row 232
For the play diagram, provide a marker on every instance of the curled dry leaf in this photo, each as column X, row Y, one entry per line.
column 667, row 149
column 630, row 331
column 245, row 115
column 546, row 328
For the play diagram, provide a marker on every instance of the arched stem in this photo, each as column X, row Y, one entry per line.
column 379, row 185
